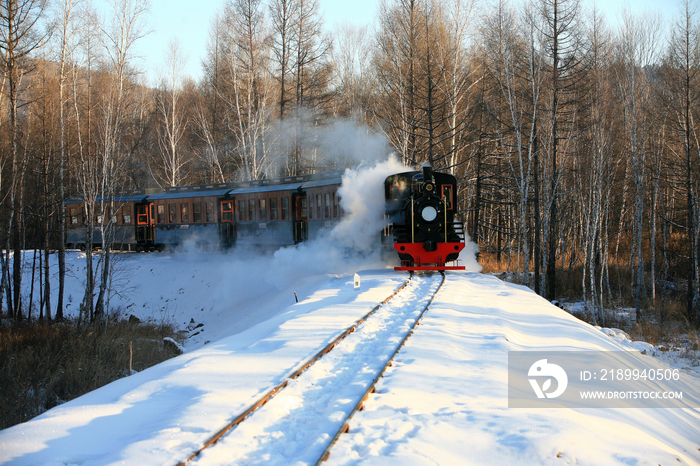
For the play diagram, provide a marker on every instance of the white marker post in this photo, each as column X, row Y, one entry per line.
column 356, row 282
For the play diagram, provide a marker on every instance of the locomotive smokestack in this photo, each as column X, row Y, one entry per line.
column 427, row 173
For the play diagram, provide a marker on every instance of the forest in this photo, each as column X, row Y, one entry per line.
column 573, row 137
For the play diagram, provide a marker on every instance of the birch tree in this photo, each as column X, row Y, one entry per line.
column 173, row 122
column 517, row 70
column 125, row 28
column 395, row 63
column 595, row 165
column 248, row 94
column 66, row 32
column 20, row 35
column 86, row 171
column 637, row 51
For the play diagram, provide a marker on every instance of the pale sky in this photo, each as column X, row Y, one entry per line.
column 189, row 21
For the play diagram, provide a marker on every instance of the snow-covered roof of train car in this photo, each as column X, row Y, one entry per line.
column 266, row 188
column 188, row 194
column 127, row 198
column 288, row 183
column 327, row 182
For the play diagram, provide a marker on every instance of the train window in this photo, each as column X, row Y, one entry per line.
column 263, row 210
column 273, row 209
column 327, row 206
column 447, row 195
column 171, row 213
column 160, row 209
column 311, row 207
column 318, row 206
column 210, row 212
column 73, row 216
column 285, row 208
column 184, row 217
column 241, row 210
column 251, row 210
column 395, row 192
column 302, row 212
column 226, row 211
column 197, row 212
column 126, row 218
column 336, row 205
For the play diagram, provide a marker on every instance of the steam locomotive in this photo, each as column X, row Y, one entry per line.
column 420, row 207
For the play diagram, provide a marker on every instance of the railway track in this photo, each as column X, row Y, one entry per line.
column 303, row 417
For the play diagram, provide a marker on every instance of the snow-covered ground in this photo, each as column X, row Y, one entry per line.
column 444, row 401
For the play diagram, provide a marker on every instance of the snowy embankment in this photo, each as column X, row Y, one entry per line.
column 444, row 401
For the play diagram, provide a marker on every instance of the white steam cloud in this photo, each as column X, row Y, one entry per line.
column 339, row 143
column 362, row 199
column 354, row 242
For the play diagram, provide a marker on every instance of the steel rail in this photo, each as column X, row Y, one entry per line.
column 345, row 427
column 273, row 391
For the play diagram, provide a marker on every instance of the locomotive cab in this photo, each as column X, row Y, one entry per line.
column 420, row 210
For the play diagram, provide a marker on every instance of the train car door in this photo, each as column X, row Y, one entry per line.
column 301, row 217
column 145, row 225
column 227, row 229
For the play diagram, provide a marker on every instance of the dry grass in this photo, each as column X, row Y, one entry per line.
column 674, row 330
column 671, row 330
column 490, row 264
column 44, row 365
column 569, row 279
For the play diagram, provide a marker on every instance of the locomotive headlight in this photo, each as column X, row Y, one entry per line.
column 429, row 213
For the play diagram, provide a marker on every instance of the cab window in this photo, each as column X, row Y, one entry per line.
column 447, row 195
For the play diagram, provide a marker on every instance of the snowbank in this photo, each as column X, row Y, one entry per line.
column 443, row 402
